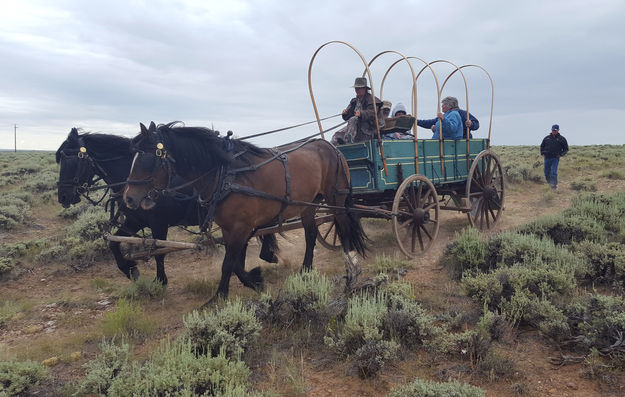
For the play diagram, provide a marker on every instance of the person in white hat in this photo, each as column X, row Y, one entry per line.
column 360, row 116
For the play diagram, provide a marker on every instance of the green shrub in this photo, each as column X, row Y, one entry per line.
column 144, row 288
column 467, row 253
column 426, row 388
column 90, row 225
column 14, row 208
column 17, row 377
column 74, row 211
column 605, row 263
column 565, row 228
column 307, row 292
column 6, row 265
column 231, row 329
column 101, row 371
column 406, row 321
column 523, row 293
column 508, row 248
column 42, row 182
column 127, row 320
column 598, row 321
column 363, row 322
column 370, row 358
column 175, row 370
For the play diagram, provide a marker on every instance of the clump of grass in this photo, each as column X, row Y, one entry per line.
column 144, row 288
column 586, row 185
column 127, row 320
column 16, row 378
column 200, row 287
column 231, row 329
column 426, row 388
column 389, row 264
column 613, row 174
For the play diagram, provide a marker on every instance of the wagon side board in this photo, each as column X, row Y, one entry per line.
column 367, row 169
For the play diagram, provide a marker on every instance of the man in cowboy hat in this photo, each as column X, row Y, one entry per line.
column 360, row 116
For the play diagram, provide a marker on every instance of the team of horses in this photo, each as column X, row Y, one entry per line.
column 172, row 174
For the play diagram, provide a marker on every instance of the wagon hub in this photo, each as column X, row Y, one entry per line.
column 421, row 216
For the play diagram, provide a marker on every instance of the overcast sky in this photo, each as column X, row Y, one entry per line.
column 239, row 65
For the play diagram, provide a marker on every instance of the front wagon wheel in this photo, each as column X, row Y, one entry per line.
column 415, row 215
column 485, row 190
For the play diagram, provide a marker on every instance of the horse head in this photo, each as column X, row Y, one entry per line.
column 76, row 173
column 151, row 169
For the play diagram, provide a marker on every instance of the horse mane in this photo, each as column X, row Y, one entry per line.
column 99, row 146
column 202, row 149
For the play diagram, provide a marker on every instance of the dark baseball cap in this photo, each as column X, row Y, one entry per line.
column 555, row 127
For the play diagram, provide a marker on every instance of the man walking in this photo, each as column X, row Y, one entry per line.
column 553, row 147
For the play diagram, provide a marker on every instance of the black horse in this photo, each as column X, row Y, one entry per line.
column 246, row 187
column 83, row 157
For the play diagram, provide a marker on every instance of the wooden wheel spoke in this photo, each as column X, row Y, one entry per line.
column 426, row 232
column 325, row 236
column 416, row 230
column 429, row 206
column 419, row 193
column 486, row 208
column 406, row 223
column 410, row 203
column 492, row 213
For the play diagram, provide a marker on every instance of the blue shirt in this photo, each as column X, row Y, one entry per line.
column 452, row 126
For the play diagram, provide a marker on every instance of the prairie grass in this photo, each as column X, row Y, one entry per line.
column 127, row 320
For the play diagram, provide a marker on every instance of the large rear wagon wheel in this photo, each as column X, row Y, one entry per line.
column 485, row 190
column 415, row 215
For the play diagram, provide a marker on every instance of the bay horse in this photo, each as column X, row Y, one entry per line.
column 87, row 156
column 246, row 187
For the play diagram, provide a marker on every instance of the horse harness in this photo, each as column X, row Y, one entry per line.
column 225, row 185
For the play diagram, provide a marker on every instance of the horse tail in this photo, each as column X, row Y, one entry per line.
column 352, row 234
column 350, row 231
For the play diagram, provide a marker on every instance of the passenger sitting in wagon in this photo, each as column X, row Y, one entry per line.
column 449, row 118
column 397, row 126
column 472, row 123
column 359, row 115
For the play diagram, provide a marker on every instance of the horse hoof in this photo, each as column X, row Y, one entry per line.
column 161, row 280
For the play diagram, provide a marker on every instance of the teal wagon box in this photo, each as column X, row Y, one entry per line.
column 367, row 168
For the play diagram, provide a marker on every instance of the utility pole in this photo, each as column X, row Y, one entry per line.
column 15, row 136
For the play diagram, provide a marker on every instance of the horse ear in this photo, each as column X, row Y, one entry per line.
column 144, row 131
column 152, row 127
column 73, row 134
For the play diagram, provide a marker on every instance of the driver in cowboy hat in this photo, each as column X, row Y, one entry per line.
column 360, row 116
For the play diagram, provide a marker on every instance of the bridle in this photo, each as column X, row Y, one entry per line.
column 85, row 162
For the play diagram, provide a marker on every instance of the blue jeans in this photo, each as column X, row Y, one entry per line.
column 551, row 170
